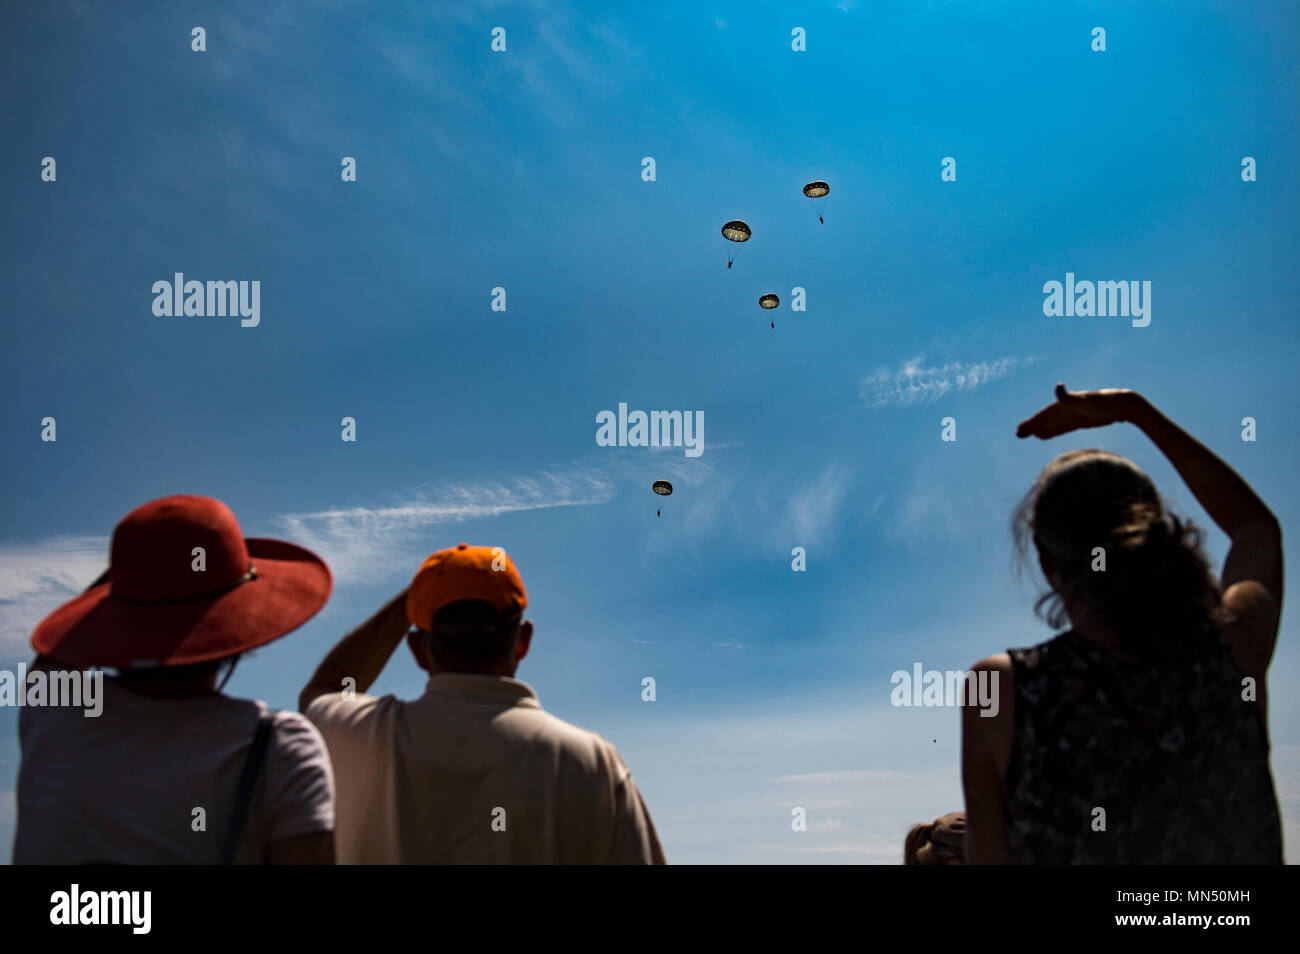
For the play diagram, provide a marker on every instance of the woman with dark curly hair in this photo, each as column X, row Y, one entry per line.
column 1139, row 735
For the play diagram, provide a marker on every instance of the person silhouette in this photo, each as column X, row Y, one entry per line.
column 476, row 737
column 172, row 645
column 1149, row 669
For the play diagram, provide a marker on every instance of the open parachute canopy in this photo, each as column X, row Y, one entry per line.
column 816, row 191
column 662, row 488
column 768, row 301
column 736, row 231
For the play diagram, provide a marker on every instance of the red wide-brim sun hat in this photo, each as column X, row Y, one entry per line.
column 99, row 629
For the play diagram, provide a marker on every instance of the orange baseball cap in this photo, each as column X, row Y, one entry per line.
column 464, row 572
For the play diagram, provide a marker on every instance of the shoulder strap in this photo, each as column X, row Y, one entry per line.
column 247, row 780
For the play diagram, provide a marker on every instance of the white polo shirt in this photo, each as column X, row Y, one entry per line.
column 476, row 772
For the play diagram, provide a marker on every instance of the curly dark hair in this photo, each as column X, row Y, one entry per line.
column 1091, row 509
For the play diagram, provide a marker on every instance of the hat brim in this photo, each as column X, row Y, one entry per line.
column 94, row 629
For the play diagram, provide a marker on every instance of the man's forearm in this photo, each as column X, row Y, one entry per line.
column 362, row 654
column 1229, row 500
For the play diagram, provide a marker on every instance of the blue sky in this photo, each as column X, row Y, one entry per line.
column 522, row 170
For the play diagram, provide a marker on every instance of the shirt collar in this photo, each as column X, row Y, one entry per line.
column 473, row 685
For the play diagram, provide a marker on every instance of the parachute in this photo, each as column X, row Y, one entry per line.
column 735, row 231
column 816, row 191
column 768, row 301
column 663, row 489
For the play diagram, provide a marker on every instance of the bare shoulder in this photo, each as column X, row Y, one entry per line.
column 997, row 673
column 999, row 663
column 988, row 716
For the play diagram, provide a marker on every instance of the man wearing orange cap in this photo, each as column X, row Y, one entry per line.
column 474, row 771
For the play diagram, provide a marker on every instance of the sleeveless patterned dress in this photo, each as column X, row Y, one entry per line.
column 1174, row 756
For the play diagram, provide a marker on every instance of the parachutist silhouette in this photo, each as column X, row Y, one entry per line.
column 738, row 232
column 773, row 324
column 816, row 191
column 663, row 489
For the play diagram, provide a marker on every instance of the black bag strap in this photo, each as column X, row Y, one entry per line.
column 247, row 781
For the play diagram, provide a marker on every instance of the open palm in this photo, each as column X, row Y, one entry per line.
column 1074, row 410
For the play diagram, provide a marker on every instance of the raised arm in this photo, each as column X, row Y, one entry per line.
column 1256, row 553
column 361, row 654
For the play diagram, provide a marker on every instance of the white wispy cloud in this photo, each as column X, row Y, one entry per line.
column 812, row 509
column 937, row 504
column 557, row 57
column 1286, row 775
column 735, row 791
column 834, row 823
column 36, row 577
column 847, row 775
column 664, row 462
column 881, row 852
column 772, row 507
column 914, row 383
column 361, row 544
column 367, row 543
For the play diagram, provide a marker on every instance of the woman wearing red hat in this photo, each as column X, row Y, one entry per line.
column 171, row 770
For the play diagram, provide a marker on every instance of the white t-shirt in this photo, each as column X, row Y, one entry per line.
column 476, row 772
column 123, row 787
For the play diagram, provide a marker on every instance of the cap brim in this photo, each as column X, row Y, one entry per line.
column 94, row 629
